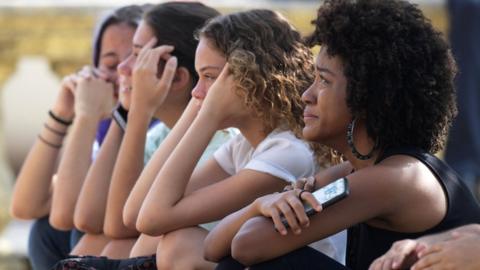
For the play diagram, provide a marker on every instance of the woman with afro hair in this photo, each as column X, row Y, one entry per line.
column 383, row 97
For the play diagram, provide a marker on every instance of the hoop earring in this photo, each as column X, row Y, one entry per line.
column 354, row 150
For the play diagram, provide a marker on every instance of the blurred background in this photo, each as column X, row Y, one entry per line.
column 43, row 40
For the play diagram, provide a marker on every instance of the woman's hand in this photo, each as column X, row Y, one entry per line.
column 94, row 96
column 461, row 252
column 306, row 183
column 401, row 255
column 151, row 81
column 64, row 103
column 288, row 204
column 222, row 103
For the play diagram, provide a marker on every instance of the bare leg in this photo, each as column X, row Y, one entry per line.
column 145, row 246
column 183, row 249
column 118, row 248
column 90, row 244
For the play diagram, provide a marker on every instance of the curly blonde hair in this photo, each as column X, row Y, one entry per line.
column 270, row 64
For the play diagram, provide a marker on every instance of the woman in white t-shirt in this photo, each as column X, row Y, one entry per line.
column 255, row 68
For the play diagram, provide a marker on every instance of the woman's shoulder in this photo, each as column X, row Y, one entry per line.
column 398, row 168
column 400, row 179
column 284, row 140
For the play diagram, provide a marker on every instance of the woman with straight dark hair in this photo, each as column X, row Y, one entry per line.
column 35, row 188
column 146, row 93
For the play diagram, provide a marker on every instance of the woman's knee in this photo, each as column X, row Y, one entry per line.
column 182, row 249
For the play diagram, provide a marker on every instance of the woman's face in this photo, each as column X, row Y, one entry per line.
column 143, row 34
column 326, row 114
column 209, row 63
column 115, row 46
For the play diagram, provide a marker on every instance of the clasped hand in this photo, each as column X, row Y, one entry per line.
column 94, row 94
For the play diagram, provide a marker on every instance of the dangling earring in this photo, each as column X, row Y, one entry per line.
column 355, row 152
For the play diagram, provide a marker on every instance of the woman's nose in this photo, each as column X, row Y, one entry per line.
column 199, row 92
column 307, row 96
column 125, row 68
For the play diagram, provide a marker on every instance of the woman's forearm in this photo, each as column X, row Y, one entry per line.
column 90, row 209
column 219, row 240
column 72, row 171
column 127, row 169
column 171, row 182
column 142, row 186
column 34, row 181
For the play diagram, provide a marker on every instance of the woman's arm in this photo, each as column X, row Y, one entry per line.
column 218, row 241
column 379, row 195
column 147, row 97
column 144, row 182
column 90, row 208
column 128, row 165
column 33, row 187
column 170, row 195
column 93, row 101
column 328, row 175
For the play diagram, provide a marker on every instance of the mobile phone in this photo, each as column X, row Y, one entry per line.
column 120, row 115
column 326, row 196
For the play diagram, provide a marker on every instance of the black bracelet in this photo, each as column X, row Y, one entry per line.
column 58, row 119
column 57, row 132
column 57, row 146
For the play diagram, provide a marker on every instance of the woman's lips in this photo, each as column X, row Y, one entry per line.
column 307, row 116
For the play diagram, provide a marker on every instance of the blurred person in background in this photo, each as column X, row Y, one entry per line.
column 463, row 146
column 36, row 185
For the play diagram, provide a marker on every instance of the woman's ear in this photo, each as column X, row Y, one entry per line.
column 182, row 79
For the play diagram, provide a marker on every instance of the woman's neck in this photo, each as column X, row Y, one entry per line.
column 253, row 130
column 169, row 115
column 358, row 164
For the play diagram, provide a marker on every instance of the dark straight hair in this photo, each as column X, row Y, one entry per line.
column 174, row 23
column 130, row 15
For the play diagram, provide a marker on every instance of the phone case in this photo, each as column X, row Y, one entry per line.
column 120, row 115
column 338, row 196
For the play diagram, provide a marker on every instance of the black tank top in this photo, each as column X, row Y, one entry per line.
column 366, row 243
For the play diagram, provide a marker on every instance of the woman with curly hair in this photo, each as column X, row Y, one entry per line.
column 254, row 66
column 383, row 97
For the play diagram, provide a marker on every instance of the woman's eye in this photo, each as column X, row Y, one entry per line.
column 210, row 77
column 322, row 80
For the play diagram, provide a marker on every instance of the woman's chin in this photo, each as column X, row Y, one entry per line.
column 310, row 135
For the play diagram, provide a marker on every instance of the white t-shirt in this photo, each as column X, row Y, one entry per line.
column 283, row 155
column 280, row 154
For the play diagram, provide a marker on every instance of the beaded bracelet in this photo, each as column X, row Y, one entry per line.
column 58, row 119
column 57, row 146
